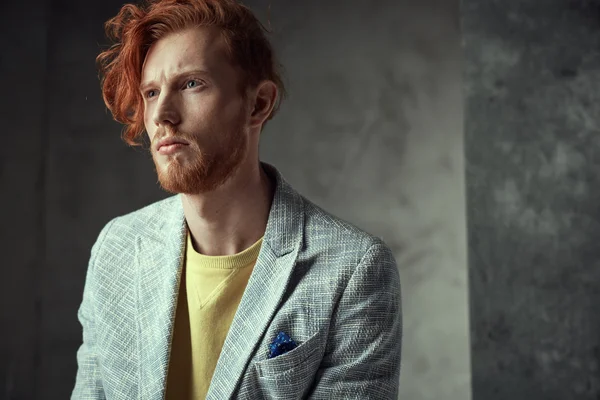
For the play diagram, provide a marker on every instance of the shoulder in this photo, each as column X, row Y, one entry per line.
column 357, row 265
column 335, row 230
column 350, row 245
column 149, row 218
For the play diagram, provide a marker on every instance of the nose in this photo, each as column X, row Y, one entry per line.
column 166, row 112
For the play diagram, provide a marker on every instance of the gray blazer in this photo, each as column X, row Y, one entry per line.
column 330, row 286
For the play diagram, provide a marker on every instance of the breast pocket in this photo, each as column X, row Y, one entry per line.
column 300, row 362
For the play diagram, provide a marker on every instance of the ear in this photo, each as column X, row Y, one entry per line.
column 264, row 98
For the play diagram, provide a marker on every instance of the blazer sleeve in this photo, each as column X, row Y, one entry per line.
column 362, row 358
column 88, row 382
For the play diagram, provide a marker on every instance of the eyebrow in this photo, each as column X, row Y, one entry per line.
column 146, row 85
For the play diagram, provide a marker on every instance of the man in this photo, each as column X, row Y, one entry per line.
column 236, row 286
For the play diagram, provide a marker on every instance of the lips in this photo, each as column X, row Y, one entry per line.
column 171, row 142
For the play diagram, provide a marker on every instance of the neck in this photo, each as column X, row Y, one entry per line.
column 233, row 217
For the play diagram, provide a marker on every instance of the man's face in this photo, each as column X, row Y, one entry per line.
column 191, row 94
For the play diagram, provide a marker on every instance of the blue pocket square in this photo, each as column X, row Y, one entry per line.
column 282, row 344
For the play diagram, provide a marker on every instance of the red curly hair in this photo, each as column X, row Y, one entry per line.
column 136, row 28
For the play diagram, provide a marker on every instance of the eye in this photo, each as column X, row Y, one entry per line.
column 150, row 93
column 192, row 84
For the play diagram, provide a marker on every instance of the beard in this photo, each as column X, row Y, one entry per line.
column 201, row 169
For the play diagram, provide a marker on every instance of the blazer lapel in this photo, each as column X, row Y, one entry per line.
column 267, row 283
column 160, row 253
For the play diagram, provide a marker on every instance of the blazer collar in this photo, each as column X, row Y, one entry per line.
column 160, row 254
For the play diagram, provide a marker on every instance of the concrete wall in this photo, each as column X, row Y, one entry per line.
column 532, row 78
column 372, row 131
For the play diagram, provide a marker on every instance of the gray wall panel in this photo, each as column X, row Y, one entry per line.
column 532, row 89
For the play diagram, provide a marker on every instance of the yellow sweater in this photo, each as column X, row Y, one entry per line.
column 210, row 292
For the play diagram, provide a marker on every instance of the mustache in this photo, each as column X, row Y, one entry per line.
column 164, row 131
